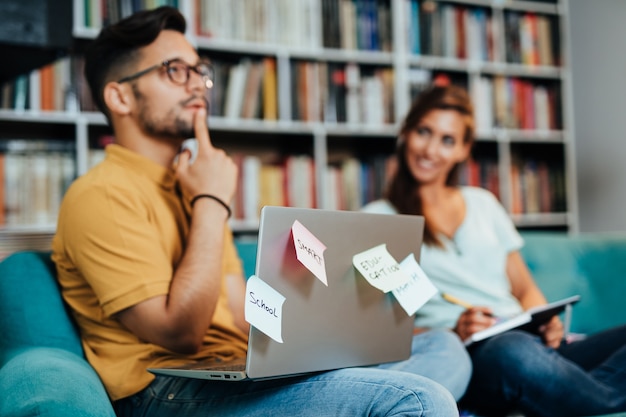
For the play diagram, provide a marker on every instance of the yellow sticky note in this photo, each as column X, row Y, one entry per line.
column 379, row 268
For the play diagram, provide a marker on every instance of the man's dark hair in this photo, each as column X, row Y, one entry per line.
column 116, row 47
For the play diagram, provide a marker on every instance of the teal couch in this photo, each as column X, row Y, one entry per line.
column 43, row 371
column 593, row 266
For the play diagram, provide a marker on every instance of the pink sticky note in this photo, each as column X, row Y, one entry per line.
column 309, row 251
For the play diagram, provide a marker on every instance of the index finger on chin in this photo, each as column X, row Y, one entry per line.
column 201, row 129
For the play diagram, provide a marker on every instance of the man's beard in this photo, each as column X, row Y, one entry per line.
column 172, row 126
column 176, row 129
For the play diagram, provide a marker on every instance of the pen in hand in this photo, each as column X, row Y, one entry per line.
column 455, row 300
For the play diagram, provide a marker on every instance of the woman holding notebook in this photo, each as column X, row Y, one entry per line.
column 471, row 251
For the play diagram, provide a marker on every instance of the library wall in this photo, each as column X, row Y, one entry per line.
column 599, row 100
column 309, row 109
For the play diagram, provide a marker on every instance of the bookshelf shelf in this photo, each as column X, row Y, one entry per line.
column 85, row 32
column 529, row 6
column 518, row 135
column 485, row 67
column 540, row 219
column 33, row 229
column 40, row 117
column 339, row 136
column 319, row 53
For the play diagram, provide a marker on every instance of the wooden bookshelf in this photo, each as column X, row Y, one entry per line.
column 335, row 96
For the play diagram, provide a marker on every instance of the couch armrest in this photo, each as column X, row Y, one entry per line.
column 43, row 381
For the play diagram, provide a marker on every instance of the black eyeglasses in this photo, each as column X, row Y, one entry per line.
column 178, row 71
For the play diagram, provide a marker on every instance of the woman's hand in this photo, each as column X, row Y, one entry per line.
column 474, row 320
column 552, row 332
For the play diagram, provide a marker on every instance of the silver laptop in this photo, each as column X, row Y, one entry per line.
column 345, row 324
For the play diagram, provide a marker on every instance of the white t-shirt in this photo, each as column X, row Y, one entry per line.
column 471, row 265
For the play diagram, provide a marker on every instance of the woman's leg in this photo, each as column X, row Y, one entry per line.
column 516, row 370
column 603, row 355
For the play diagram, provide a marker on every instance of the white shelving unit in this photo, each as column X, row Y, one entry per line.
column 323, row 136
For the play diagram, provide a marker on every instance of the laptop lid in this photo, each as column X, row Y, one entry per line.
column 347, row 323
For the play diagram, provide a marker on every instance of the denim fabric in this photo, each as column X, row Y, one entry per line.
column 392, row 389
column 515, row 370
column 441, row 356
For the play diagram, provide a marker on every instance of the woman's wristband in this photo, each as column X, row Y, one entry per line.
column 212, row 197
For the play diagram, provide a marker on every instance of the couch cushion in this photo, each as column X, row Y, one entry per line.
column 32, row 312
column 51, row 382
column 592, row 265
column 246, row 248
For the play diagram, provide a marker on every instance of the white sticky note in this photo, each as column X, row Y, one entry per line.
column 380, row 269
column 264, row 308
column 309, row 251
column 415, row 293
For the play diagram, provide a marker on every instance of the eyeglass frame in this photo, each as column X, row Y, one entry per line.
column 165, row 64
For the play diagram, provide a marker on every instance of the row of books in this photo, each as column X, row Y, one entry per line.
column 100, row 13
column 58, row 86
column 357, row 25
column 283, row 22
column 342, row 93
column 34, row 177
column 245, row 89
column 332, row 92
column 354, row 182
column 516, row 103
column 531, row 39
column 287, row 182
column 453, row 31
column 321, row 91
column 434, row 28
column 347, row 24
column 457, row 31
column 481, row 172
column 350, row 183
column 537, row 186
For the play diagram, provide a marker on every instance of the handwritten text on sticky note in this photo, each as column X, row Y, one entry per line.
column 380, row 269
column 309, row 251
column 264, row 308
column 414, row 294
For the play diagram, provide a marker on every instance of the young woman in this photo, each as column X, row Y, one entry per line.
column 471, row 251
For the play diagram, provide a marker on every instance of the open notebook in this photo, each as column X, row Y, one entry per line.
column 347, row 323
column 529, row 320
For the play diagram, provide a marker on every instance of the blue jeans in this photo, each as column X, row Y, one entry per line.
column 515, row 370
column 393, row 389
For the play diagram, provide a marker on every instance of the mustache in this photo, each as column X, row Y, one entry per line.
column 191, row 99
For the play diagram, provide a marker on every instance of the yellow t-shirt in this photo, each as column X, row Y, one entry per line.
column 121, row 233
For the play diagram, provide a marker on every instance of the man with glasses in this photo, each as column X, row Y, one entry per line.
column 146, row 259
